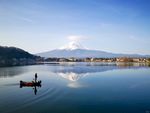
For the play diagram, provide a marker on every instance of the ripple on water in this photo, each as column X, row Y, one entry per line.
column 47, row 95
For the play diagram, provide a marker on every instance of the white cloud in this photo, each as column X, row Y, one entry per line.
column 76, row 38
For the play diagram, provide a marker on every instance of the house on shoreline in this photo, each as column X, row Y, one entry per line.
column 120, row 59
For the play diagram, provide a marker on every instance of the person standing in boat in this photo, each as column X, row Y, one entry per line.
column 36, row 77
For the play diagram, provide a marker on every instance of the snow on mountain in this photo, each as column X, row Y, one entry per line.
column 75, row 49
column 72, row 46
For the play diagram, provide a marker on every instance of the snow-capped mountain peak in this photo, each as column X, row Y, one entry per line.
column 76, row 50
column 72, row 46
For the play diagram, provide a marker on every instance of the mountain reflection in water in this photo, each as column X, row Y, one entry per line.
column 73, row 67
column 74, row 72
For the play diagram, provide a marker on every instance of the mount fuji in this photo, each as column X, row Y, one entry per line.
column 75, row 49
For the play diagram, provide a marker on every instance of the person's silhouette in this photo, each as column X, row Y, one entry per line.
column 36, row 77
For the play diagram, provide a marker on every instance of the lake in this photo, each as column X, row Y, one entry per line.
column 76, row 88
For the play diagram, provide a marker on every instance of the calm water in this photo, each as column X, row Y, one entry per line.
column 76, row 88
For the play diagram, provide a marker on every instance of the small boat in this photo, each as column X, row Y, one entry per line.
column 30, row 84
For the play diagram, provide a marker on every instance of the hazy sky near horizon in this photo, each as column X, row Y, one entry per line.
column 119, row 26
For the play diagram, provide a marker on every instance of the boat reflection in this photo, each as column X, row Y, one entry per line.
column 34, row 88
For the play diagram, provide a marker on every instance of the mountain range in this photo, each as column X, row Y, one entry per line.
column 75, row 49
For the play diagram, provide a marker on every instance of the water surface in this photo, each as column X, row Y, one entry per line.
column 77, row 88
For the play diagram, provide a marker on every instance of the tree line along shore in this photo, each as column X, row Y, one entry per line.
column 119, row 59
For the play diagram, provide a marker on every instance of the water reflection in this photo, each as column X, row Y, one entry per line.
column 82, row 88
column 12, row 71
column 76, row 85
column 126, row 64
column 131, row 64
column 34, row 88
column 76, row 72
column 94, row 67
column 72, row 76
column 69, row 68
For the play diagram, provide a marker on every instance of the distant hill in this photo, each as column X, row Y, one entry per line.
column 10, row 56
column 78, row 51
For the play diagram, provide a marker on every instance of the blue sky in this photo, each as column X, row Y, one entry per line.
column 119, row 26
